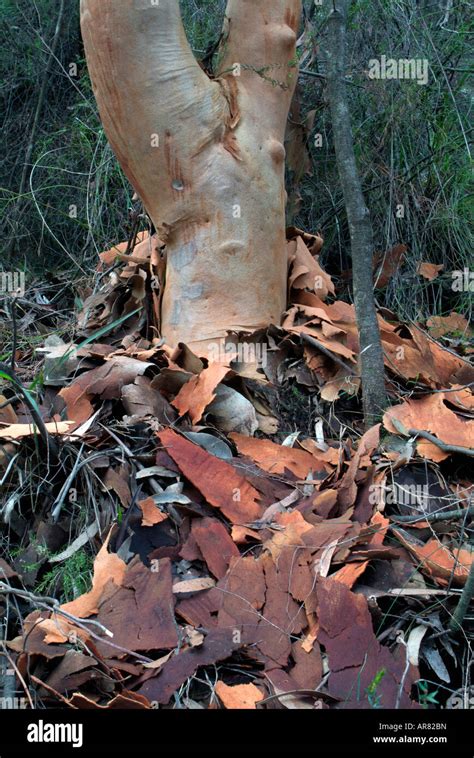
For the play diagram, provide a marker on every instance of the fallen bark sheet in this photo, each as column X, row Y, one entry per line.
column 243, row 571
column 217, row 480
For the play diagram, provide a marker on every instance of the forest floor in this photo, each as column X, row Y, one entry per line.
column 191, row 533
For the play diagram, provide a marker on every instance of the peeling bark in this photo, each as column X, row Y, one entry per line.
column 205, row 156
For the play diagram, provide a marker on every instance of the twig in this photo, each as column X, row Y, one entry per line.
column 436, row 516
column 430, row 391
column 58, row 503
column 405, row 672
column 444, row 347
column 315, row 343
column 7, row 682
column 444, row 446
column 49, row 604
column 447, row 13
column 8, row 469
column 457, row 618
column 45, row 80
column 14, row 334
column 323, row 77
column 78, row 465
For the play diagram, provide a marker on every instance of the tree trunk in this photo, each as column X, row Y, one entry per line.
column 205, row 156
column 371, row 354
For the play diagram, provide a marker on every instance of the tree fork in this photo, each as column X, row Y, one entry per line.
column 205, row 156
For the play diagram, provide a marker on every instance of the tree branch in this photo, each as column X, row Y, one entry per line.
column 157, row 105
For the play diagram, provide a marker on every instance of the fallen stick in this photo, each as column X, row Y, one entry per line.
column 457, row 618
column 435, row 516
column 444, row 446
column 315, row 343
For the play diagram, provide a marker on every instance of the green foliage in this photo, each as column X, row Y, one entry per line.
column 68, row 579
column 375, row 700
column 425, row 696
column 412, row 146
column 203, row 22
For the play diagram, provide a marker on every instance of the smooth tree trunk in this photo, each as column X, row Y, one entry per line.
column 374, row 397
column 206, row 156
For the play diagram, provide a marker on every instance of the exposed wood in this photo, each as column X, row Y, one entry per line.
column 206, row 156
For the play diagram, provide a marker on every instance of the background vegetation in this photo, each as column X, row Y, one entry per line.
column 413, row 145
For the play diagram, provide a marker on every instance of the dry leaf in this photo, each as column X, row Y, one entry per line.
column 7, row 413
column 429, row 271
column 389, row 265
column 440, row 325
column 193, row 585
column 199, row 391
column 159, row 661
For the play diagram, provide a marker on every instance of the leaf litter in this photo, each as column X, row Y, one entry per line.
column 245, row 556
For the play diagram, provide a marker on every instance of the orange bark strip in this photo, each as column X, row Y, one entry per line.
column 195, row 395
column 276, row 458
column 217, row 480
column 432, row 414
column 349, row 573
column 238, row 696
column 151, row 513
column 438, row 561
column 306, row 272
